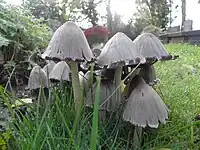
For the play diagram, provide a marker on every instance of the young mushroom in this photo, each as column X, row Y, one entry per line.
column 69, row 44
column 60, row 72
column 144, row 107
column 47, row 68
column 38, row 79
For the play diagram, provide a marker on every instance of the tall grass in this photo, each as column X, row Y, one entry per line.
column 180, row 89
column 56, row 127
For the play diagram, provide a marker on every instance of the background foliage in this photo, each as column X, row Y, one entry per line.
column 21, row 35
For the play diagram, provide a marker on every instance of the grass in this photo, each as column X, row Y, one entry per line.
column 179, row 87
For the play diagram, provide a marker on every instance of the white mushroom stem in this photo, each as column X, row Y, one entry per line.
column 117, row 81
column 76, row 85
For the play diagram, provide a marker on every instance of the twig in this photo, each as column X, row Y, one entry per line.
column 8, row 82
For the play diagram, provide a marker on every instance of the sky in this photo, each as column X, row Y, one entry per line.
column 126, row 8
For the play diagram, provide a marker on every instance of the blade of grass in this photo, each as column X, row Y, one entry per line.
column 93, row 143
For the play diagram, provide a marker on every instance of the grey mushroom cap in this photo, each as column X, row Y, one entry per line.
column 38, row 78
column 68, row 43
column 148, row 45
column 48, row 68
column 60, row 71
column 107, row 98
column 144, row 107
column 119, row 49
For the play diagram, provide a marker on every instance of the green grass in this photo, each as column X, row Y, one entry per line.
column 179, row 87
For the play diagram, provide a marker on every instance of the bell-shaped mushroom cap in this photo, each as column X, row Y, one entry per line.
column 119, row 49
column 144, row 107
column 47, row 68
column 37, row 78
column 107, row 98
column 60, row 72
column 68, row 43
column 148, row 45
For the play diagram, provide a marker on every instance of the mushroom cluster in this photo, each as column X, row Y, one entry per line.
column 121, row 63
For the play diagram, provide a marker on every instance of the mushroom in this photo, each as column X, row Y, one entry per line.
column 38, row 79
column 60, row 72
column 144, row 107
column 69, row 43
column 148, row 45
column 107, row 99
column 106, row 92
column 47, row 68
column 118, row 52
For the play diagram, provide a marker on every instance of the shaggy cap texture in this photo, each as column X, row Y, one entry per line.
column 119, row 50
column 68, row 43
column 60, row 72
column 148, row 45
column 144, row 107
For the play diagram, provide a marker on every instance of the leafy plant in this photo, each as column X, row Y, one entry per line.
column 20, row 35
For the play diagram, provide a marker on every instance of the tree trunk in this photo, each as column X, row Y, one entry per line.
column 109, row 17
column 183, row 13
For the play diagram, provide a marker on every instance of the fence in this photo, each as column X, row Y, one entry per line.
column 192, row 37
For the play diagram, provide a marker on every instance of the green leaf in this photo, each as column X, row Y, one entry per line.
column 3, row 41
